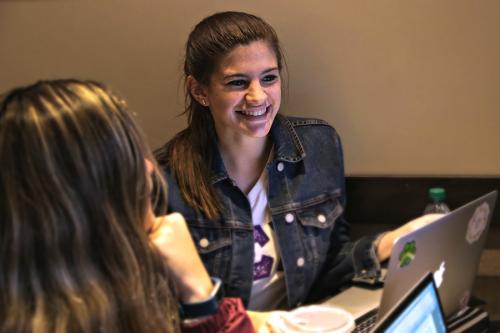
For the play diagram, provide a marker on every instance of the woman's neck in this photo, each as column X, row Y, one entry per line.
column 245, row 159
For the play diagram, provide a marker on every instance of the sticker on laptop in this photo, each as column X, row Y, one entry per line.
column 407, row 254
column 477, row 223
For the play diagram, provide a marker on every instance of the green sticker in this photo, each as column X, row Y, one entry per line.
column 408, row 254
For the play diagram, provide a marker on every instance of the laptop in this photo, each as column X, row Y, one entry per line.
column 418, row 311
column 450, row 247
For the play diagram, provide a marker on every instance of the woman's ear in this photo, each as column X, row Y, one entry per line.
column 197, row 90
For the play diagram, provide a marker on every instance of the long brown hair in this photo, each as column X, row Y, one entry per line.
column 188, row 156
column 74, row 194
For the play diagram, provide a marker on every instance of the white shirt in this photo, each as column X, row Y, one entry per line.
column 268, row 289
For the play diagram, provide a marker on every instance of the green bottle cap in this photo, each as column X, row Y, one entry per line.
column 437, row 194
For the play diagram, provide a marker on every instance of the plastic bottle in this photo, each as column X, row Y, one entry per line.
column 437, row 196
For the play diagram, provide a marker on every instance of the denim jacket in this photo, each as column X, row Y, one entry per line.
column 307, row 201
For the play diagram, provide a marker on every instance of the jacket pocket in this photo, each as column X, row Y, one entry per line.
column 320, row 212
column 316, row 224
column 214, row 247
column 208, row 240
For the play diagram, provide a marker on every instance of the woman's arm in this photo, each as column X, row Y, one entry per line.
column 384, row 246
column 171, row 236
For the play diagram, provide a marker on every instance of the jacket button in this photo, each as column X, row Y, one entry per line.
column 300, row 262
column 289, row 218
column 321, row 218
column 204, row 242
column 280, row 166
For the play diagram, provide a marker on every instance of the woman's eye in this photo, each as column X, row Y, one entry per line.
column 237, row 83
column 270, row 78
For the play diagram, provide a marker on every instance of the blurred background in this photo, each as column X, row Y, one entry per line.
column 413, row 87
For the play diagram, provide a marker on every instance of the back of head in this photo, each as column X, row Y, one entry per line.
column 74, row 254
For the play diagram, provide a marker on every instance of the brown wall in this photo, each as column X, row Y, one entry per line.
column 413, row 87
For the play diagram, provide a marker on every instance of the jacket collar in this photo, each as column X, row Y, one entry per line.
column 286, row 144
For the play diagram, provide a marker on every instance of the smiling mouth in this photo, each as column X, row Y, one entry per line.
column 255, row 113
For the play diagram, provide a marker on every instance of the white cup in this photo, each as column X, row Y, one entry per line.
column 316, row 319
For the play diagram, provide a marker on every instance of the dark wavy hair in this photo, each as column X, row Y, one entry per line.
column 188, row 155
column 74, row 194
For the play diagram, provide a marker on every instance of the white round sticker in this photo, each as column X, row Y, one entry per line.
column 477, row 223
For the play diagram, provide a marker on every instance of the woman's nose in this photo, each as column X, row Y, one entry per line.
column 256, row 93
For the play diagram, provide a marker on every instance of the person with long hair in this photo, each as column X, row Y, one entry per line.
column 263, row 194
column 80, row 247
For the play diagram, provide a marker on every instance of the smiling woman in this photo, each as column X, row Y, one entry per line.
column 232, row 68
column 263, row 194
column 244, row 93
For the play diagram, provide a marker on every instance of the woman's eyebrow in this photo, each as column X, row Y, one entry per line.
column 239, row 75
column 270, row 70
column 235, row 75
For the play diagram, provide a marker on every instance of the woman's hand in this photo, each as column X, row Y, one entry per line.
column 171, row 236
column 387, row 241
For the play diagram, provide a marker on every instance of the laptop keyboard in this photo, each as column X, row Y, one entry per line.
column 469, row 317
column 366, row 322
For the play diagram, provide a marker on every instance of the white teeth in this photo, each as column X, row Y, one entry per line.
column 254, row 113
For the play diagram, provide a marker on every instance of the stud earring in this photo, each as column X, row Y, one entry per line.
column 203, row 102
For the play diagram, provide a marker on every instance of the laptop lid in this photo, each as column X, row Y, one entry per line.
column 419, row 311
column 450, row 247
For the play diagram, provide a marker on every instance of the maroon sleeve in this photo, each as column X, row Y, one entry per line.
column 230, row 318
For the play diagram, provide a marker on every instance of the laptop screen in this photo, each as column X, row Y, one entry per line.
column 422, row 314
